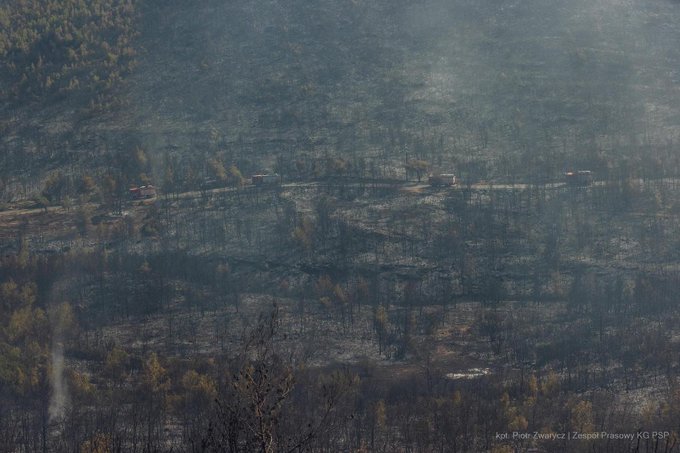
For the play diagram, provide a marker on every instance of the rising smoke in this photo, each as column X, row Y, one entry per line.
column 61, row 318
column 59, row 394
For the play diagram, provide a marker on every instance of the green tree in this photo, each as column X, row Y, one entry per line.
column 217, row 171
column 152, row 395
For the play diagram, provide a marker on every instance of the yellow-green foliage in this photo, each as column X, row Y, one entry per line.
column 52, row 46
column 24, row 338
column 199, row 390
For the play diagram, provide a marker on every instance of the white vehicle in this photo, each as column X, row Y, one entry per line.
column 444, row 179
column 579, row 178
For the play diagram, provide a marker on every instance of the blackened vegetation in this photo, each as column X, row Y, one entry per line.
column 347, row 306
column 504, row 90
column 395, row 316
column 253, row 413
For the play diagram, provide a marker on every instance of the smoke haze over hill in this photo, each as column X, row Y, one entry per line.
column 553, row 84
